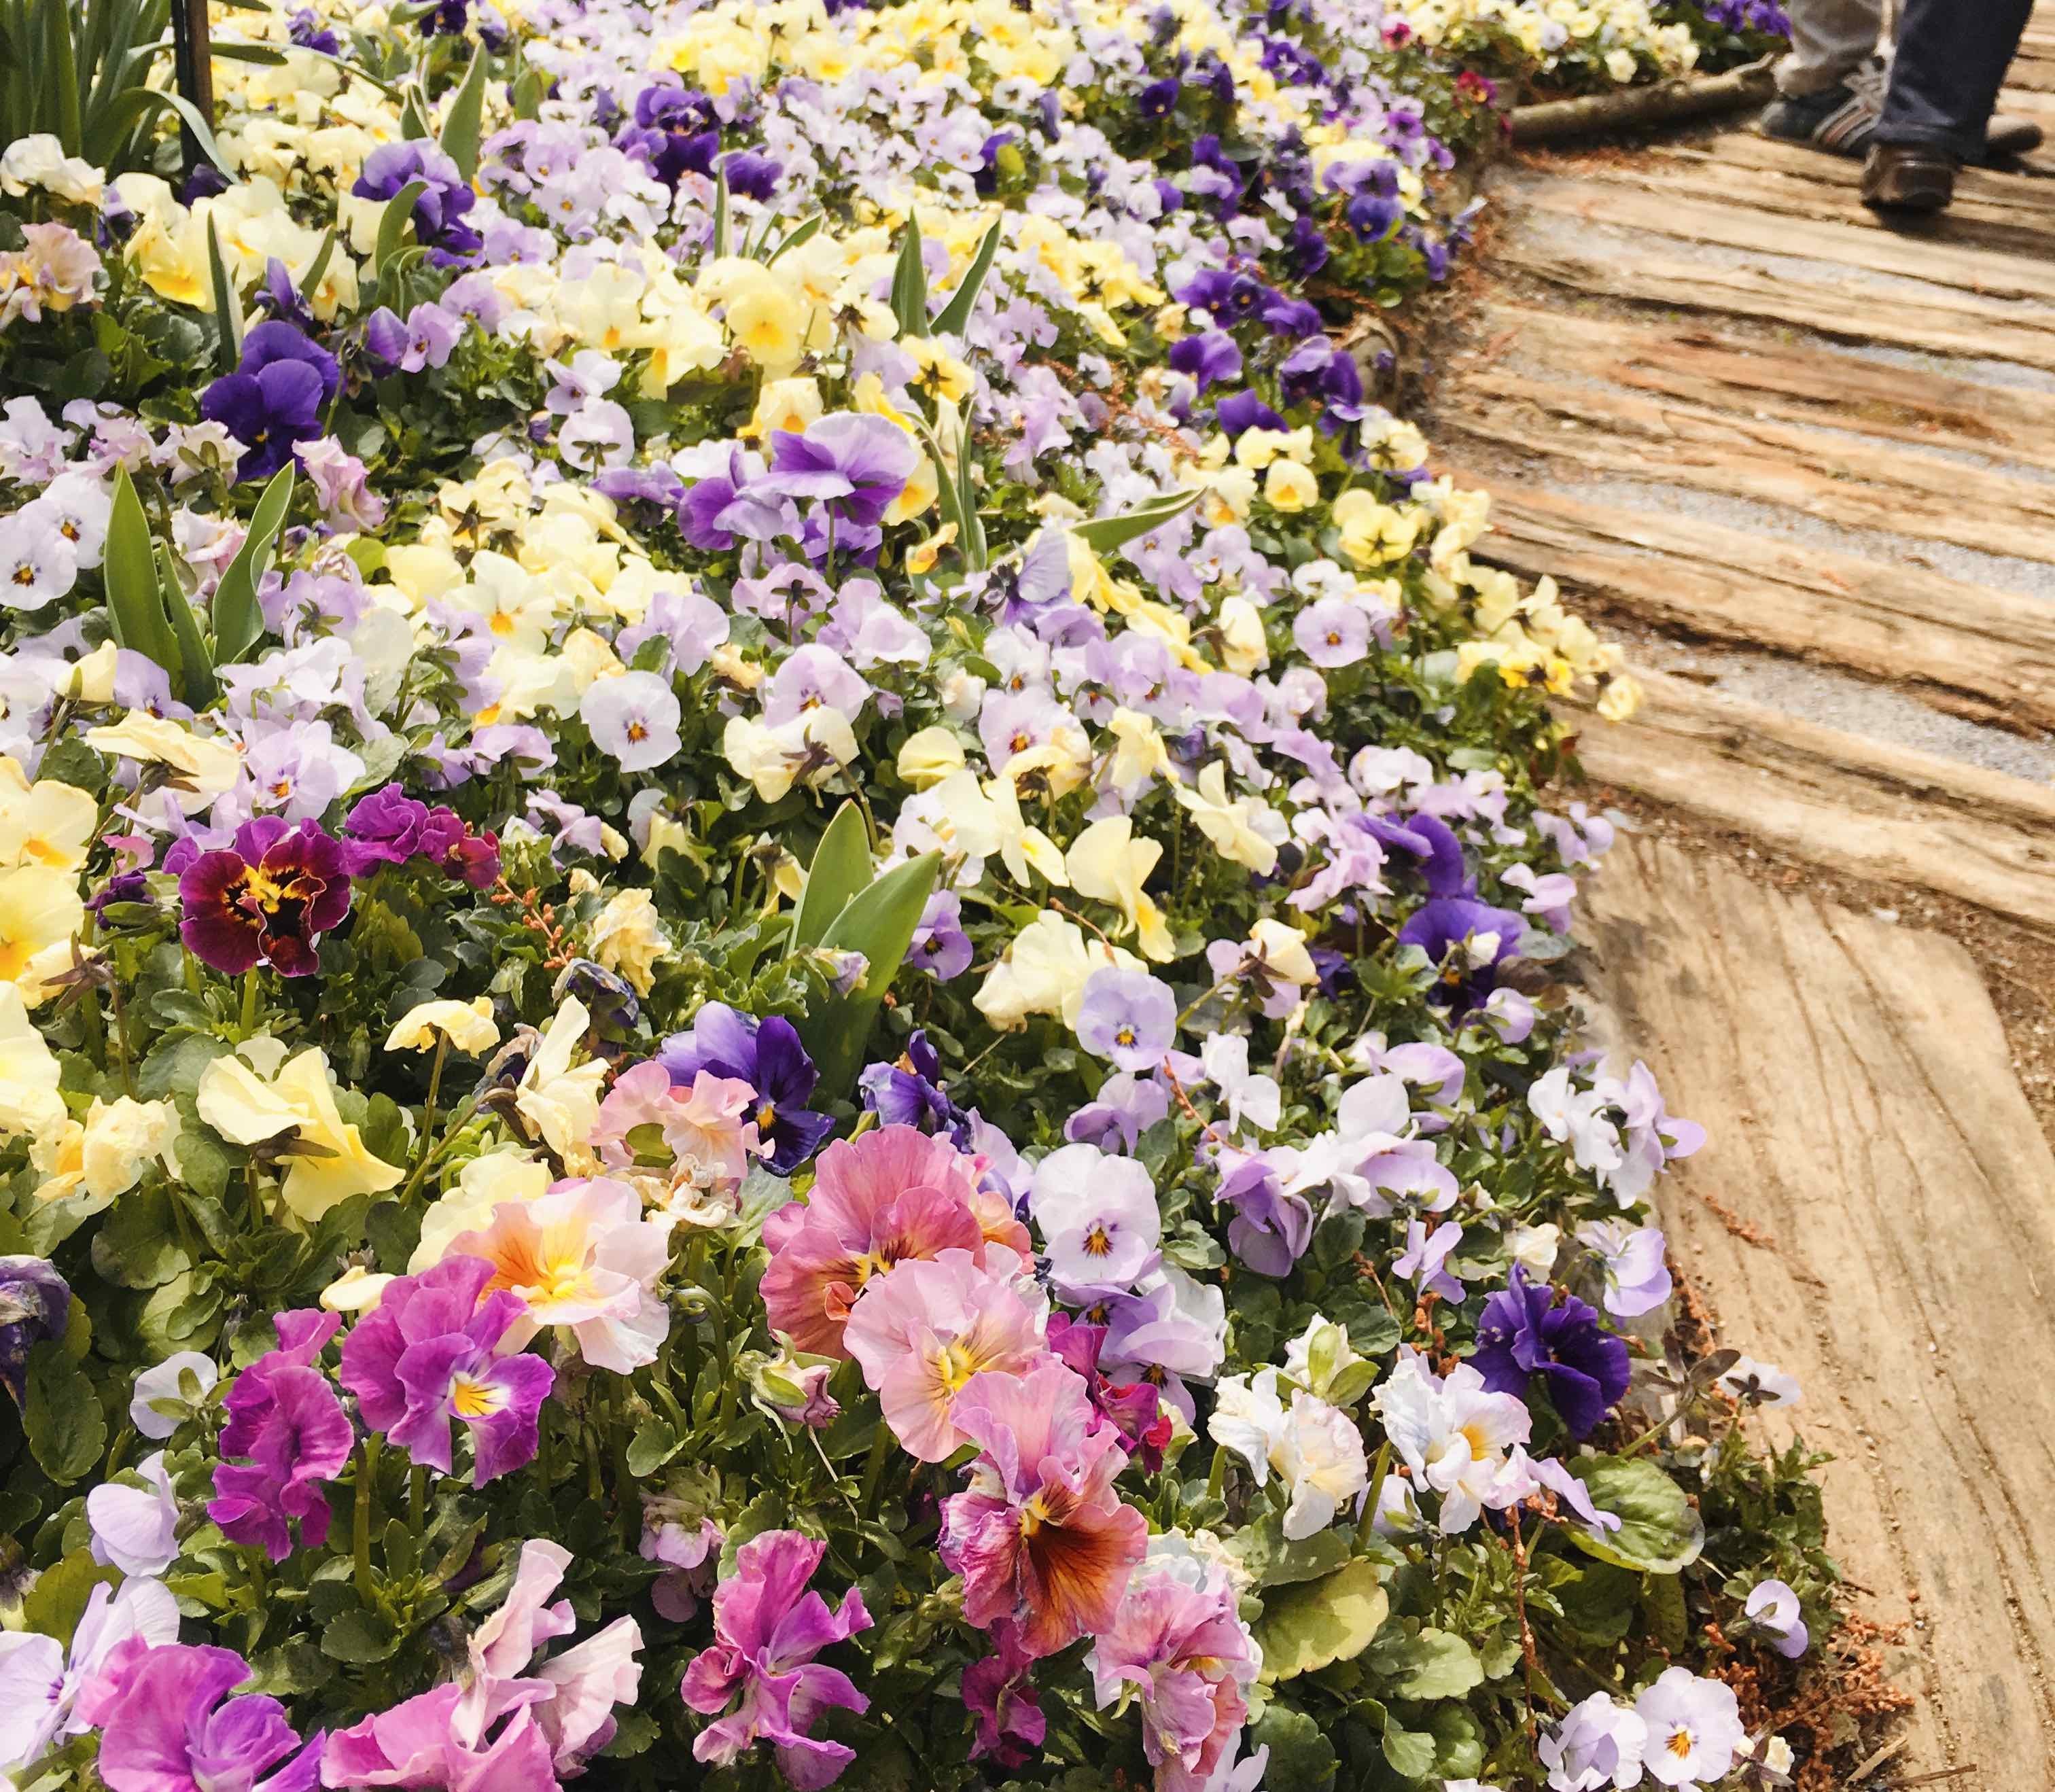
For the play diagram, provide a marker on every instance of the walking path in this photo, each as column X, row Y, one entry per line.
column 1807, row 466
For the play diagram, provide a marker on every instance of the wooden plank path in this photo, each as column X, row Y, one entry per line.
column 1718, row 401
column 1864, row 1119
column 1783, row 448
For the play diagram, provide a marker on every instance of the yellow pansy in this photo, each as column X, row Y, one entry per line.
column 41, row 914
column 245, row 1110
column 1231, row 822
column 627, row 937
column 1107, row 863
column 929, row 756
column 468, row 1026
column 30, row 1103
column 48, row 822
column 202, row 766
column 561, row 1102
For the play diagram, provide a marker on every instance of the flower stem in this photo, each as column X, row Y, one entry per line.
column 367, row 1502
column 873, row 1470
column 249, row 1025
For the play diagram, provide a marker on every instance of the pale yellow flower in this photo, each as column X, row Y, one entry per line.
column 468, row 1026
column 245, row 1110
column 929, row 756
column 41, row 914
column 627, row 937
column 1108, row 864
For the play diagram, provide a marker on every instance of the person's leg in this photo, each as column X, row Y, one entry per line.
column 1830, row 40
column 1951, row 62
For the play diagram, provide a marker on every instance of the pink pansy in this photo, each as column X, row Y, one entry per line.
column 582, row 1256
column 999, row 1692
column 1039, row 1534
column 767, row 1628
column 923, row 1328
column 892, row 1194
column 1178, row 1641
column 512, row 1724
column 705, row 1125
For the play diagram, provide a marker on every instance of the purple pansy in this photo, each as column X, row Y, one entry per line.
column 266, row 899
column 172, row 1726
column 288, row 1421
column 1524, row 1332
column 767, row 1056
column 1128, row 1017
column 854, row 462
column 426, row 1356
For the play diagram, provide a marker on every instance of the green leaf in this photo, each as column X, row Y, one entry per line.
column 135, row 604
column 197, row 664
column 1301, row 1757
column 359, row 1637
column 393, row 223
column 465, row 117
column 1659, row 1533
column 1317, row 1623
column 1410, row 1753
column 722, row 226
column 238, row 620
column 841, row 866
column 799, row 233
column 227, row 303
column 1434, row 1664
column 878, row 922
column 1458, row 1741
column 66, row 1429
column 953, row 317
column 655, row 1443
column 909, row 283
column 56, row 1603
column 1104, row 533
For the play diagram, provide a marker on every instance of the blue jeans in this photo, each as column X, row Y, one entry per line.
column 1951, row 59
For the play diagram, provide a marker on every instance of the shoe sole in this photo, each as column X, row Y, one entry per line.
column 1909, row 190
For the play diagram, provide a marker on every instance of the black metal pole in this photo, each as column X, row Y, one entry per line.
column 192, row 52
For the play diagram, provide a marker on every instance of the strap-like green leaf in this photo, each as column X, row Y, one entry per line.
column 392, row 223
column 194, row 671
column 721, row 226
column 1103, row 533
column 414, row 115
column 909, row 283
column 463, row 121
column 880, row 923
column 227, row 303
column 238, row 620
column 953, row 317
column 841, row 866
column 135, row 605
column 801, row 233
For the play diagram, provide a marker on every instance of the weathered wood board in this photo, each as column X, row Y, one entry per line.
column 1863, row 1115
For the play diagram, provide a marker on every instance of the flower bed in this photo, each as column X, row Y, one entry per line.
column 777, row 917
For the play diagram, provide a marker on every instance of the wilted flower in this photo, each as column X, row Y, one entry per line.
column 35, row 1303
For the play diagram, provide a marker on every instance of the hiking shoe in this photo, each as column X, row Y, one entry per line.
column 1908, row 177
column 1842, row 119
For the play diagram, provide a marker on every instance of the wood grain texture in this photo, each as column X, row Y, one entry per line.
column 1813, row 384
column 1863, row 1115
column 1835, row 475
column 1837, row 800
column 1987, row 655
